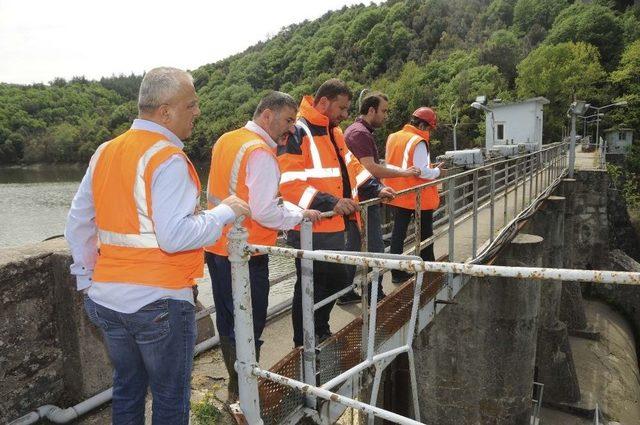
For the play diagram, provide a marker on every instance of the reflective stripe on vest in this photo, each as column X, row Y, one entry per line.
column 147, row 237
column 407, row 151
column 318, row 171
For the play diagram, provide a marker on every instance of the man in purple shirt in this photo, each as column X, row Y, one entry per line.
column 360, row 141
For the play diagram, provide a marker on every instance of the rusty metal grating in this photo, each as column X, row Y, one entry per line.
column 395, row 310
column 343, row 350
column 279, row 401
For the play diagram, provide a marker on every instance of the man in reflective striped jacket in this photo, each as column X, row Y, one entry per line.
column 138, row 203
column 319, row 172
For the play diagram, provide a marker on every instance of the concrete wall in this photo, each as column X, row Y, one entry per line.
column 49, row 353
column 475, row 364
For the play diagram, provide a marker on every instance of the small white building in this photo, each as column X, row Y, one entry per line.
column 618, row 140
column 515, row 123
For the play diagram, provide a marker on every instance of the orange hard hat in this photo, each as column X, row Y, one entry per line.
column 426, row 114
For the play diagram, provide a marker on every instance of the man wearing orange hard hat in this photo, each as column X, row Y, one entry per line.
column 408, row 148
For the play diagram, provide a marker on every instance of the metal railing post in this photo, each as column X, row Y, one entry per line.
column 530, row 178
column 492, row 188
column 572, row 146
column 524, row 182
column 364, row 287
column 245, row 338
column 515, row 193
column 538, row 159
column 451, row 211
column 506, row 191
column 474, row 236
column 418, row 221
column 308, row 322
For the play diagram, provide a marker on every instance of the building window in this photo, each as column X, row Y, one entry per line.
column 622, row 135
column 499, row 131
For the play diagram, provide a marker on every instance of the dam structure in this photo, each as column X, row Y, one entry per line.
column 482, row 335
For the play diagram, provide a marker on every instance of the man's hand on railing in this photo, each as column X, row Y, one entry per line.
column 412, row 172
column 387, row 193
column 443, row 171
column 312, row 215
column 346, row 206
column 238, row 206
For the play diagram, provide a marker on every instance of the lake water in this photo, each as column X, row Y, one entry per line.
column 34, row 202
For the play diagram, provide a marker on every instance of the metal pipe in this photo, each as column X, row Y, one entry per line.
column 333, row 297
column 363, row 365
column 373, row 309
column 61, row 416
column 474, row 233
column 418, row 221
column 330, row 396
column 492, row 202
column 414, row 385
column 308, row 311
column 479, row 270
column 243, row 324
column 451, row 213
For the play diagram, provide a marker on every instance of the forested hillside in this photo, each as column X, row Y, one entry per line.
column 441, row 53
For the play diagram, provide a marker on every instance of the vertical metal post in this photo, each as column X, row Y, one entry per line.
column 417, row 290
column 572, row 146
column 506, row 190
column 531, row 178
column 492, row 202
column 364, row 296
column 372, row 315
column 538, row 158
column 418, row 221
column 245, row 338
column 451, row 211
column 308, row 322
column 524, row 182
column 474, row 237
column 516, row 180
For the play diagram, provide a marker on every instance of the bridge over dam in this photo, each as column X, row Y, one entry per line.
column 484, row 335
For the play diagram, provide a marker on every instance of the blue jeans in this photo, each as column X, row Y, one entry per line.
column 220, row 271
column 151, row 347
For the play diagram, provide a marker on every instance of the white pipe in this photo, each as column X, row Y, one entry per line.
column 61, row 416
column 478, row 270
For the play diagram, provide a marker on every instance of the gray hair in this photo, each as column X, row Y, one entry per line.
column 159, row 86
column 275, row 101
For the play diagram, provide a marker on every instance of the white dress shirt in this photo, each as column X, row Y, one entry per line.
column 263, row 180
column 177, row 228
column 422, row 160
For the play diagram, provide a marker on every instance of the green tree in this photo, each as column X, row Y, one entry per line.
column 560, row 72
column 527, row 13
column 503, row 50
column 593, row 24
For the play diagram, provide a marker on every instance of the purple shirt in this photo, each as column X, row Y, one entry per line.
column 360, row 141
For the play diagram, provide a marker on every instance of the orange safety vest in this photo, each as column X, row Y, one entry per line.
column 317, row 169
column 122, row 170
column 227, row 177
column 399, row 155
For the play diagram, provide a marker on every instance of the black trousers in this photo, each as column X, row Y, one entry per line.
column 402, row 216
column 328, row 278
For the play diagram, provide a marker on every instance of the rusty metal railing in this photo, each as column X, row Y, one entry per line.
column 516, row 182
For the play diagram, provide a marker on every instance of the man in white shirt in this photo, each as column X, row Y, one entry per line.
column 136, row 241
column 243, row 162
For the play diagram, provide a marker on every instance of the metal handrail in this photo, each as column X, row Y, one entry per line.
column 545, row 166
